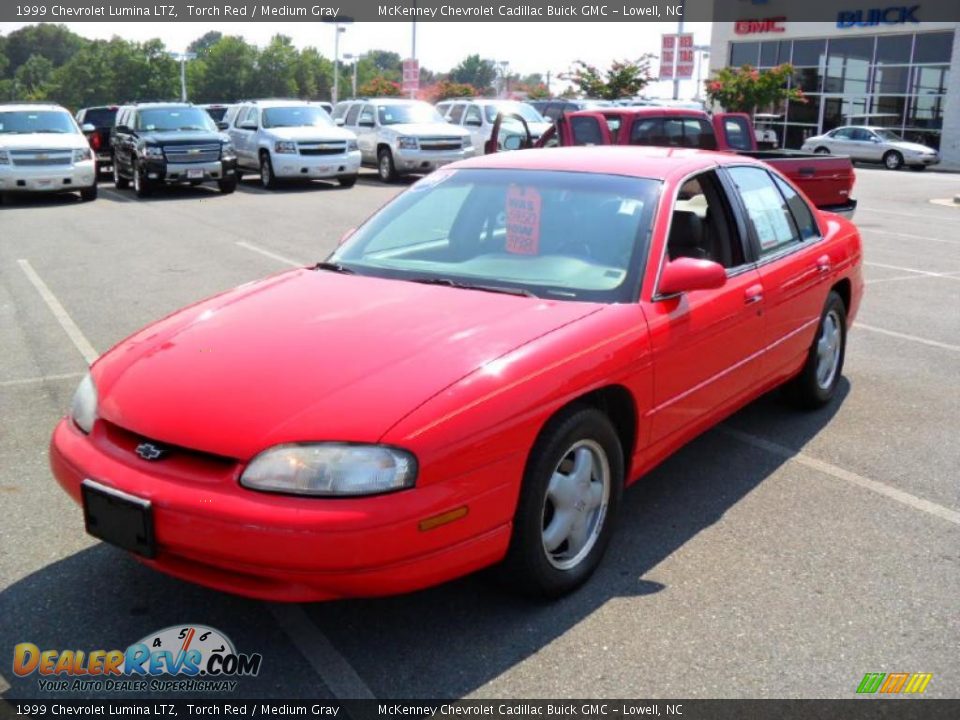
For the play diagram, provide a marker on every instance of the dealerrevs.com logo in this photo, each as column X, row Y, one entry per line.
column 180, row 658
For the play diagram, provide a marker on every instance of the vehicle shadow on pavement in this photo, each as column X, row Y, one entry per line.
column 251, row 184
column 39, row 200
column 444, row 642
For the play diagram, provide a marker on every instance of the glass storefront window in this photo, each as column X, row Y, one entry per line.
column 794, row 135
column 933, row 47
column 893, row 106
column 891, row 79
column 930, row 138
column 894, row 49
column 809, row 80
column 809, row 53
column 784, row 53
column 768, row 53
column 931, row 80
column 808, row 112
column 925, row 112
column 744, row 53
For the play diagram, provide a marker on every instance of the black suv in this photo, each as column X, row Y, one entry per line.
column 170, row 143
column 101, row 118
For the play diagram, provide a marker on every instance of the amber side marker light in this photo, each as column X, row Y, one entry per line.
column 442, row 519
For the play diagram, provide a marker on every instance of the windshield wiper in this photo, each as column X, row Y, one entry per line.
column 334, row 267
column 470, row 286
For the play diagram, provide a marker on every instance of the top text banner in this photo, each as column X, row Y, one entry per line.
column 864, row 14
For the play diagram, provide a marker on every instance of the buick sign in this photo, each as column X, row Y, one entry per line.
column 893, row 15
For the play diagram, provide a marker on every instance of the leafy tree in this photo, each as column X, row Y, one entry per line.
column 624, row 78
column 387, row 63
column 201, row 46
column 229, row 71
column 747, row 89
column 314, row 75
column 54, row 42
column 32, row 77
column 446, row 89
column 380, row 87
column 537, row 92
column 472, row 70
column 276, row 69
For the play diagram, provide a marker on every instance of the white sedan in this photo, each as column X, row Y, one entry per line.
column 873, row 144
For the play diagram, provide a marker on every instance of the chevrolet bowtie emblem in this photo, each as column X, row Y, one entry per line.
column 149, row 451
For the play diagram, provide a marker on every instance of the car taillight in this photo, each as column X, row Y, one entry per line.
column 95, row 141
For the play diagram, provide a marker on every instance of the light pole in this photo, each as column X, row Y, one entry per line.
column 183, row 57
column 337, row 29
column 356, row 61
column 504, row 64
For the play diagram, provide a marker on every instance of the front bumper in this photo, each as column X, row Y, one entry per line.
column 211, row 531
column 424, row 161
column 315, row 166
column 60, row 178
column 924, row 160
column 160, row 171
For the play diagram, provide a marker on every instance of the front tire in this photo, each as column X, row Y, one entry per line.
column 119, row 181
column 816, row 384
column 227, row 185
column 267, row 179
column 822, row 151
column 89, row 194
column 347, row 181
column 141, row 186
column 571, row 491
column 893, row 160
column 385, row 167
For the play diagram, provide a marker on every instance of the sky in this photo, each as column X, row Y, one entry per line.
column 529, row 47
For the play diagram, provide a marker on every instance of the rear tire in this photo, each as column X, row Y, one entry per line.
column 119, row 182
column 347, row 181
column 571, row 491
column 817, row 383
column 822, row 150
column 227, row 185
column 89, row 194
column 893, row 160
column 385, row 167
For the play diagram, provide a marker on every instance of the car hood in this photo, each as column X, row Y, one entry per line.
column 43, row 141
column 908, row 146
column 303, row 134
column 440, row 129
column 181, row 137
column 309, row 355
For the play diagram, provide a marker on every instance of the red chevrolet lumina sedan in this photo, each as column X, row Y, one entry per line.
column 472, row 378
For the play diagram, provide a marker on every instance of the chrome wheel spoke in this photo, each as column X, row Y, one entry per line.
column 558, row 530
column 562, row 490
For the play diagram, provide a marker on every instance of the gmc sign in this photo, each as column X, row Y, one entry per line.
column 753, row 27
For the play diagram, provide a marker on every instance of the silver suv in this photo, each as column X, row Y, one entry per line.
column 402, row 136
column 292, row 139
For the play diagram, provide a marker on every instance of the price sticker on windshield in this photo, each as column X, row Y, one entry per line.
column 523, row 220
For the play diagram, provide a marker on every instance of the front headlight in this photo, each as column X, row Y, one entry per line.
column 467, row 142
column 82, row 154
column 331, row 469
column 407, row 143
column 352, row 145
column 285, row 147
column 83, row 409
column 4, row 157
column 151, row 152
column 228, row 152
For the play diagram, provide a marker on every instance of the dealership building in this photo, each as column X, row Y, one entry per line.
column 885, row 67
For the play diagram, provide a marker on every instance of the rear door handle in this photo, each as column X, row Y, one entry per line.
column 753, row 294
column 824, row 264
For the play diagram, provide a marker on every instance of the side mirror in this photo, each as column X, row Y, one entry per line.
column 221, row 125
column 88, row 128
column 122, row 129
column 473, row 122
column 685, row 274
column 365, row 123
column 346, row 236
column 512, row 142
column 338, row 121
column 248, row 126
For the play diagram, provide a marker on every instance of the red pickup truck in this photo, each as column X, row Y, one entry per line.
column 826, row 180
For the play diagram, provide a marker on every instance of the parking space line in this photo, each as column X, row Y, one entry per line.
column 913, row 270
column 66, row 322
column 267, row 253
column 947, row 276
column 869, row 230
column 904, row 336
column 912, row 216
column 334, row 670
column 880, row 488
column 40, row 379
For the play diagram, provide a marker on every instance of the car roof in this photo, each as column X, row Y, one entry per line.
column 280, row 102
column 639, row 161
column 19, row 107
column 156, row 105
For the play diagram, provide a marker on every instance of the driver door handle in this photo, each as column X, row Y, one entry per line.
column 753, row 294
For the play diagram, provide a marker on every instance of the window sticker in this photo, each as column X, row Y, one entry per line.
column 523, row 220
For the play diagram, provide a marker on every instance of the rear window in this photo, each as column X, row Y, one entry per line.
column 100, row 117
column 217, row 113
column 673, row 132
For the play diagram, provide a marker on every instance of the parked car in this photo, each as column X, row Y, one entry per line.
column 42, row 149
column 287, row 139
column 828, row 182
column 552, row 109
column 399, row 137
column 472, row 377
column 477, row 116
column 157, row 144
column 101, row 118
column 874, row 145
column 217, row 111
column 327, row 106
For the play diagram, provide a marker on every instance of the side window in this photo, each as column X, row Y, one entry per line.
column 442, row 109
column 456, row 113
column 737, row 131
column 340, row 110
column 352, row 114
column 802, row 216
column 473, row 116
column 648, row 131
column 767, row 210
column 367, row 116
column 586, row 131
column 613, row 125
column 862, row 135
column 552, row 112
column 703, row 226
column 842, row 134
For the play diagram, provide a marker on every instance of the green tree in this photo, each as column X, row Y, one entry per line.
column 32, row 77
column 201, row 46
column 387, row 63
column 54, row 42
column 228, row 73
column 747, row 89
column 472, row 70
column 623, row 79
column 314, row 75
column 276, row 69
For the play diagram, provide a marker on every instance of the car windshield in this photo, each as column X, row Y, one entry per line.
column 24, row 122
column 527, row 112
column 408, row 113
column 296, row 116
column 173, row 119
column 561, row 235
column 888, row 135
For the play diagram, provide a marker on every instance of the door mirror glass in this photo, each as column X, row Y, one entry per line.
column 512, row 142
column 221, row 125
column 686, row 274
column 88, row 128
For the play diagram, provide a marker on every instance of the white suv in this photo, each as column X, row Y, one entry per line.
column 292, row 139
column 43, row 150
column 402, row 136
column 477, row 115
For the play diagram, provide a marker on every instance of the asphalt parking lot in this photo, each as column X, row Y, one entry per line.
column 780, row 555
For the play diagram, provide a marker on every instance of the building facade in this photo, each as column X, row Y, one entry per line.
column 891, row 71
